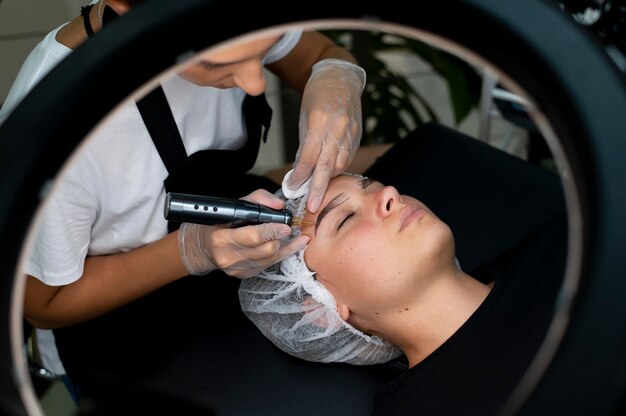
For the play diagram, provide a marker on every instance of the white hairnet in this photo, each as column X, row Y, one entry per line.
column 299, row 315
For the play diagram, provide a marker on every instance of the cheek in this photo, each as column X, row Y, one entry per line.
column 354, row 263
column 362, row 254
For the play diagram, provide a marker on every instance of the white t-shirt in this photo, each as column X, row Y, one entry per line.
column 109, row 197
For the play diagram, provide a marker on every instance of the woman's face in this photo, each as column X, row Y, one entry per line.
column 373, row 248
column 240, row 66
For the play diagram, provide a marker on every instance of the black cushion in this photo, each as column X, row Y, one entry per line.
column 191, row 343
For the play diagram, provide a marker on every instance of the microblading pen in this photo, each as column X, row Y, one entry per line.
column 211, row 210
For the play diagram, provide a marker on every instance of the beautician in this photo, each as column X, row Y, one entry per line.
column 112, row 288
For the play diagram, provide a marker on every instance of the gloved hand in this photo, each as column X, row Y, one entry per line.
column 240, row 252
column 330, row 126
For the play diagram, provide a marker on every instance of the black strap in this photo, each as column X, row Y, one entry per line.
column 84, row 11
column 159, row 120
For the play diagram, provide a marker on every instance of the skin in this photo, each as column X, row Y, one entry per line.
column 393, row 270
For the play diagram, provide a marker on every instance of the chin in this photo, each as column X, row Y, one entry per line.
column 439, row 233
column 441, row 245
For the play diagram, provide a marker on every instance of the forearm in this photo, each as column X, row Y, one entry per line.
column 107, row 283
column 295, row 68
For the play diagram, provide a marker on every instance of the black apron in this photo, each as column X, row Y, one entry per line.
column 127, row 346
column 209, row 172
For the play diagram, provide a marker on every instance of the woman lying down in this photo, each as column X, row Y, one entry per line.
column 379, row 279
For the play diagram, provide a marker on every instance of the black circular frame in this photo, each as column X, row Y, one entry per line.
column 564, row 71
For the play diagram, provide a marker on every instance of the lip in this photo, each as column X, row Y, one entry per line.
column 409, row 214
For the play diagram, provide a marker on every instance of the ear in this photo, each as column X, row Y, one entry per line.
column 119, row 6
column 344, row 311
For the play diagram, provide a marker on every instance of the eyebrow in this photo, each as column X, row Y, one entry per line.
column 334, row 203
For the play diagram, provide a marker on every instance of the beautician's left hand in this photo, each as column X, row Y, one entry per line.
column 330, row 126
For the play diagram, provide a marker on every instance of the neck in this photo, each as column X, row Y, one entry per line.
column 435, row 315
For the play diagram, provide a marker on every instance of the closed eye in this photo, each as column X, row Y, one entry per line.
column 344, row 220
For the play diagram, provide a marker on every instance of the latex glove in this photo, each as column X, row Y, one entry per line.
column 330, row 126
column 240, row 252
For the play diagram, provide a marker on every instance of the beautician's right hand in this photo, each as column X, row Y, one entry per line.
column 239, row 252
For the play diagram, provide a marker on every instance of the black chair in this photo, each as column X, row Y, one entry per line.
column 229, row 368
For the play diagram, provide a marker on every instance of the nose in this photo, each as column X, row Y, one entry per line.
column 250, row 77
column 387, row 200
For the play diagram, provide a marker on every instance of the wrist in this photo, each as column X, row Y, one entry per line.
column 324, row 64
column 192, row 250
